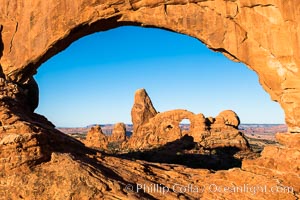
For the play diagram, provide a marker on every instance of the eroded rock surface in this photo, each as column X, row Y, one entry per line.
column 164, row 127
column 142, row 109
column 39, row 162
column 152, row 129
column 96, row 138
column 118, row 133
column 271, row 49
column 281, row 162
column 226, row 118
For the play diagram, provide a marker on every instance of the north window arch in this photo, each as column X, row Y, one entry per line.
column 224, row 30
column 270, row 48
column 101, row 81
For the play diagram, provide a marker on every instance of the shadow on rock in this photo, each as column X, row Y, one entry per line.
column 1, row 42
column 185, row 151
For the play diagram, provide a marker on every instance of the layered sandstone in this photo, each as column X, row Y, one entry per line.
column 261, row 34
column 142, row 109
column 164, row 127
column 96, row 138
column 281, row 162
column 152, row 129
column 226, row 118
column 118, row 133
column 39, row 162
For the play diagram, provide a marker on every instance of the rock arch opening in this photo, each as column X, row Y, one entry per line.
column 29, row 38
column 182, row 71
column 231, row 35
column 104, row 77
column 185, row 126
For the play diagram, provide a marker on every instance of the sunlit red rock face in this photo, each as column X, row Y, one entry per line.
column 158, row 129
column 97, row 139
column 118, row 133
column 142, row 110
column 262, row 34
column 152, row 129
column 39, row 162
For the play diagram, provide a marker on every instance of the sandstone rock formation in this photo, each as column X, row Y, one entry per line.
column 161, row 128
column 271, row 48
column 152, row 129
column 280, row 162
column 118, row 133
column 142, row 109
column 96, row 138
column 39, row 162
column 165, row 127
column 227, row 118
column 223, row 132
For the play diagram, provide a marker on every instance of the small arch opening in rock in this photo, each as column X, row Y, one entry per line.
column 185, row 126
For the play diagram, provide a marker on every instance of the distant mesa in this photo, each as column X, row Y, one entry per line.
column 152, row 129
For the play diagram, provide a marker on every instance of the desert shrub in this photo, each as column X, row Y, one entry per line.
column 213, row 152
column 114, row 147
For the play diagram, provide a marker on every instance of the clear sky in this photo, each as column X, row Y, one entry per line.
column 93, row 81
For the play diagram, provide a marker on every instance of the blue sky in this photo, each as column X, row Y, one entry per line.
column 93, row 81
